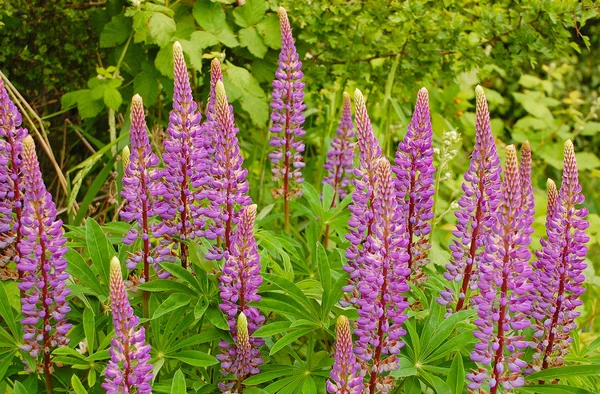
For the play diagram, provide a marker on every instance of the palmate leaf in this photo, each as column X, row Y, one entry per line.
column 173, row 302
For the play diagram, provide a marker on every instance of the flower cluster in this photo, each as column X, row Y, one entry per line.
column 10, row 178
column 381, row 284
column 139, row 165
column 287, row 104
column 527, row 199
column 346, row 375
column 184, row 151
column 239, row 282
column 226, row 186
column 362, row 211
column 129, row 369
column 340, row 158
column 503, row 304
column 42, row 264
column 476, row 207
column 415, row 178
column 558, row 275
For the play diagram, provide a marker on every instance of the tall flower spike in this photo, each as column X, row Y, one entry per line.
column 559, row 277
column 362, row 210
column 184, row 164
column 227, row 184
column 381, row 284
column 239, row 284
column 141, row 166
column 503, row 305
column 481, row 190
column 11, row 183
column 415, row 179
column 526, row 188
column 43, row 265
column 287, row 117
column 206, row 137
column 340, row 158
column 346, row 377
column 129, row 369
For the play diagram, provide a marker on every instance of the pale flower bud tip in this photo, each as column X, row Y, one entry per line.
column 479, row 91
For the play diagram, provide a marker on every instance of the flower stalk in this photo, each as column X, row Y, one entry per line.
column 475, row 215
column 43, row 265
column 287, row 105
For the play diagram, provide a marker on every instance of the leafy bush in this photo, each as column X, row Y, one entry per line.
column 233, row 296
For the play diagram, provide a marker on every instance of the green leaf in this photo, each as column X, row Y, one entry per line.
column 89, row 328
column 164, row 61
column 77, row 386
column 195, row 358
column 257, row 108
column 309, row 387
column 565, row 372
column 182, row 274
column 412, row 385
column 81, row 271
column 178, row 385
column 289, row 338
column 249, row 38
column 271, row 329
column 552, row 389
column 227, row 37
column 217, row 318
column 193, row 47
column 200, row 307
column 112, row 98
column 210, row 16
column 19, row 388
column 173, row 302
column 456, row 375
column 71, row 99
column 587, row 161
column 590, row 128
column 161, row 28
column 160, row 285
column 250, row 13
column 7, row 312
column 270, row 31
column 146, row 85
column 116, row 31
column 101, row 251
column 89, row 107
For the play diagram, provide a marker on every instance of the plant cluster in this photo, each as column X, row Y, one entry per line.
column 190, row 230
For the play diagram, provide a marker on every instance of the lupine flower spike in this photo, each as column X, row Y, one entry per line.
column 346, row 375
column 183, row 164
column 503, row 304
column 559, row 277
column 207, row 130
column 227, row 184
column 239, row 284
column 287, row 117
column 381, row 284
column 526, row 188
column 139, row 164
column 415, row 179
column 10, row 178
column 362, row 210
column 481, row 190
column 340, row 158
column 43, row 264
column 129, row 369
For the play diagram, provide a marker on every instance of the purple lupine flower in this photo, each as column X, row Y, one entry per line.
column 287, row 117
column 503, row 304
column 340, row 158
column 527, row 188
column 381, row 284
column 559, row 276
column 346, row 376
column 415, row 179
column 11, row 184
column 138, row 186
column 481, row 190
column 43, row 265
column 129, row 369
column 239, row 284
column 362, row 210
column 226, row 185
column 183, row 159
